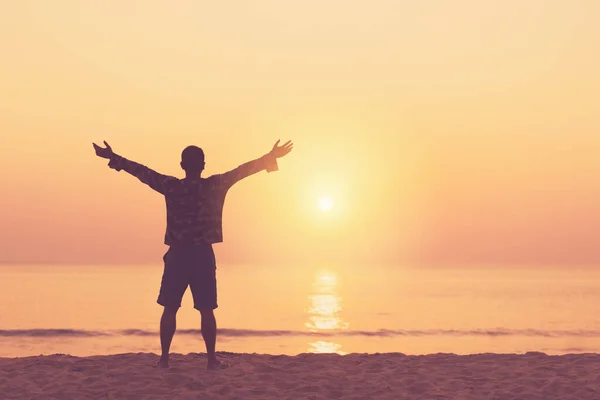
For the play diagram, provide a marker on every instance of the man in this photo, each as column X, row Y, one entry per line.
column 194, row 223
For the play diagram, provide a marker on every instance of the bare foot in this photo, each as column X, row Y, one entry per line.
column 164, row 364
column 216, row 365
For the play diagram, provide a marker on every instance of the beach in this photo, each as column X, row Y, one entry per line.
column 305, row 376
column 333, row 333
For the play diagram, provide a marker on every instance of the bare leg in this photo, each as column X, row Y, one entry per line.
column 168, row 325
column 209, row 333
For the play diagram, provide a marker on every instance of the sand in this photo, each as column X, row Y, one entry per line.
column 306, row 376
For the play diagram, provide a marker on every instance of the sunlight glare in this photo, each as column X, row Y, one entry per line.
column 325, row 203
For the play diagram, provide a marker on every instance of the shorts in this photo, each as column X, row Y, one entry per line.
column 192, row 265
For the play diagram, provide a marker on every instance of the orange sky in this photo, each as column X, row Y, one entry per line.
column 460, row 132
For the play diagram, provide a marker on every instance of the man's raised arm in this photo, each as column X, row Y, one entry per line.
column 151, row 178
column 267, row 162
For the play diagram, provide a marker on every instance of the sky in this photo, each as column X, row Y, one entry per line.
column 444, row 132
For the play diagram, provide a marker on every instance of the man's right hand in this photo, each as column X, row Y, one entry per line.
column 104, row 152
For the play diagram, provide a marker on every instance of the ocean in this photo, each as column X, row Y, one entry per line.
column 89, row 310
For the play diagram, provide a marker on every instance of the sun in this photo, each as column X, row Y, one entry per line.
column 325, row 203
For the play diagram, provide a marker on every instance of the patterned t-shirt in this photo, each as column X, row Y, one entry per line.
column 194, row 205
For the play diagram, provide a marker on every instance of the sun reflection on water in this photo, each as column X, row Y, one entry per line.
column 323, row 347
column 324, row 311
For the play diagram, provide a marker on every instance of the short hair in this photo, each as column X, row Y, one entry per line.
column 192, row 157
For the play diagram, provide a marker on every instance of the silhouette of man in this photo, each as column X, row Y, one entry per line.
column 194, row 223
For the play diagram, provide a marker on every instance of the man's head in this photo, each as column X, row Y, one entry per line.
column 192, row 160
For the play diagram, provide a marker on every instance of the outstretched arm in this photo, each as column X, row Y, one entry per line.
column 151, row 178
column 267, row 162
